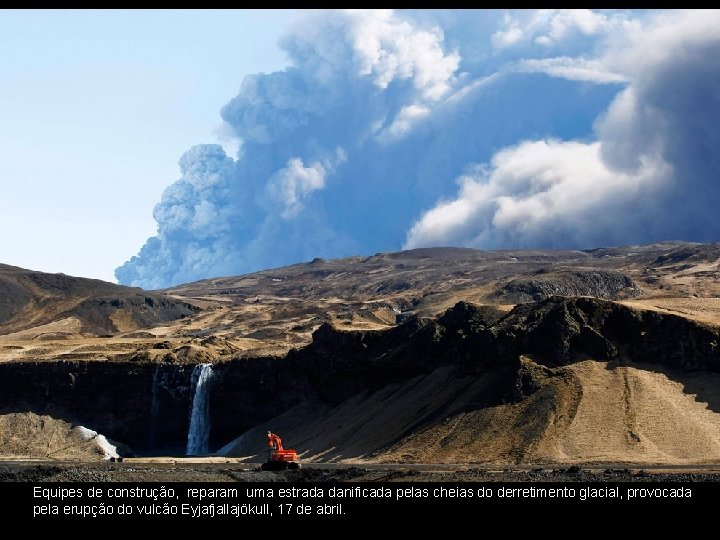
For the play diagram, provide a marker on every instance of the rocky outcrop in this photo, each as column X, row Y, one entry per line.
column 687, row 254
column 606, row 284
column 561, row 330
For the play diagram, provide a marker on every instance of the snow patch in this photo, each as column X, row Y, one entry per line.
column 109, row 450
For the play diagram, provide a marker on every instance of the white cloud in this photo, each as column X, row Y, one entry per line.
column 509, row 35
column 294, row 183
column 574, row 69
column 666, row 37
column 566, row 21
column 651, row 173
column 389, row 48
column 533, row 192
column 404, row 122
column 553, row 27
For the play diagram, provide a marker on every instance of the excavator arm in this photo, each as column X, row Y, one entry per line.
column 274, row 442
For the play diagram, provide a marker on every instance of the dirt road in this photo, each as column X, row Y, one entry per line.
column 222, row 470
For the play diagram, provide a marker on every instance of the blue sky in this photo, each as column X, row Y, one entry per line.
column 165, row 146
column 96, row 108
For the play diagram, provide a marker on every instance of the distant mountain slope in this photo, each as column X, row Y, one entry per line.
column 48, row 316
column 285, row 305
column 432, row 271
column 30, row 299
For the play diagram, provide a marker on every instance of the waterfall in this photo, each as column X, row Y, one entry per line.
column 199, row 431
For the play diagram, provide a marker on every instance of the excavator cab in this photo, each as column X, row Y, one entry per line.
column 279, row 458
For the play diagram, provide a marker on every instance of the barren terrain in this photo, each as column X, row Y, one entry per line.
column 381, row 359
column 270, row 312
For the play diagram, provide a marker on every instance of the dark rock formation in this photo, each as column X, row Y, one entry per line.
column 147, row 405
column 607, row 284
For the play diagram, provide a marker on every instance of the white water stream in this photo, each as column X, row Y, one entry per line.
column 199, row 431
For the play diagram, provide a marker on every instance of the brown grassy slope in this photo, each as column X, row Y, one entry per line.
column 31, row 299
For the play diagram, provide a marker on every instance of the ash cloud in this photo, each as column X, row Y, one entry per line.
column 651, row 174
column 482, row 129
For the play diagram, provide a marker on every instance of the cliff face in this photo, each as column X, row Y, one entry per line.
column 471, row 361
column 142, row 405
column 561, row 330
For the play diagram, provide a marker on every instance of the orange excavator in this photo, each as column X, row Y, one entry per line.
column 279, row 458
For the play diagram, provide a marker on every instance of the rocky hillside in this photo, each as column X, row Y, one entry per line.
column 426, row 355
column 562, row 380
column 50, row 317
column 35, row 299
column 471, row 385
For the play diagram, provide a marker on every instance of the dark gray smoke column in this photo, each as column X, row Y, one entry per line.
column 195, row 216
